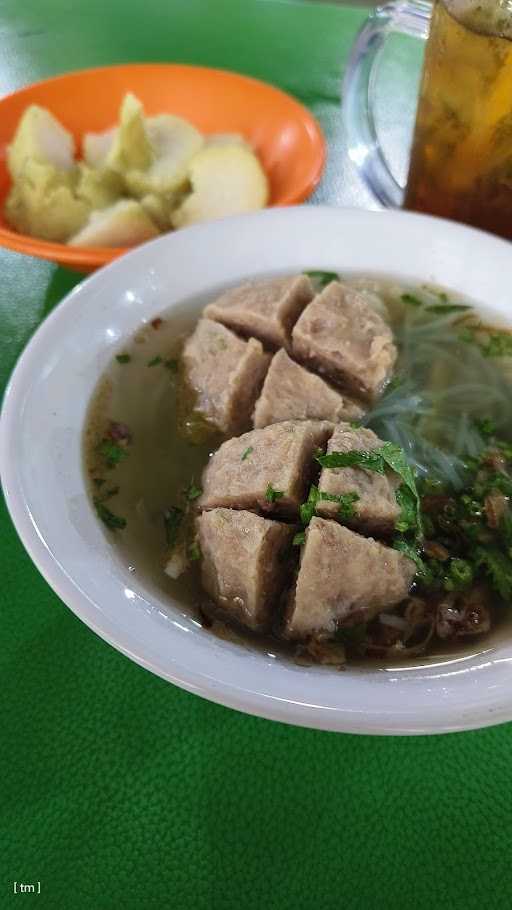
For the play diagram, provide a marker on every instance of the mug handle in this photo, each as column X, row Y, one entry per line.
column 408, row 17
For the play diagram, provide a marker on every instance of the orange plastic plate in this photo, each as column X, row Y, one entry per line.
column 285, row 135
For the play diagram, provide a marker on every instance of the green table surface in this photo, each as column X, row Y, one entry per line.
column 118, row 790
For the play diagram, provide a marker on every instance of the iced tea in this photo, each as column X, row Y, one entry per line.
column 461, row 162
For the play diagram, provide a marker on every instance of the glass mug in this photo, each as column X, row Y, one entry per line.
column 461, row 156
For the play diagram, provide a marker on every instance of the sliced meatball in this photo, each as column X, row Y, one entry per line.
column 376, row 510
column 341, row 335
column 265, row 309
column 267, row 469
column 225, row 374
column 344, row 579
column 244, row 563
column 292, row 392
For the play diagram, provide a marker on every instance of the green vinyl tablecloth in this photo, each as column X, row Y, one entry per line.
column 118, row 790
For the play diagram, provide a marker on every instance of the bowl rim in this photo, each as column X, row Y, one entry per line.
column 97, row 256
column 433, row 713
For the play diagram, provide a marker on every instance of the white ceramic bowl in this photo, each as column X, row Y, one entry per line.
column 41, row 467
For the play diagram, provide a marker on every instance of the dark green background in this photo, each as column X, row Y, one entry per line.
column 118, row 790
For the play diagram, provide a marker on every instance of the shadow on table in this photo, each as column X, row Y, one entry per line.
column 61, row 283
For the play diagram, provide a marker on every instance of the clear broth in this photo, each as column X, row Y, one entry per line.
column 161, row 463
